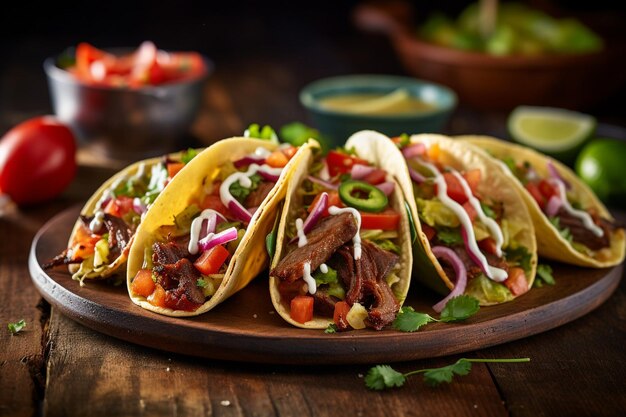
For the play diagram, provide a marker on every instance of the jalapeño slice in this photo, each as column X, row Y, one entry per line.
column 362, row 196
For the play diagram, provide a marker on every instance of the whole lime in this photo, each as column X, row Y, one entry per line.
column 602, row 165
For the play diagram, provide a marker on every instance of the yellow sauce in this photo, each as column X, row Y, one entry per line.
column 396, row 102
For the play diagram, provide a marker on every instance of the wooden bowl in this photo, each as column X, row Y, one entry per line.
column 574, row 81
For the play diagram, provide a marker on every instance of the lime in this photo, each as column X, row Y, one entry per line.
column 601, row 165
column 557, row 132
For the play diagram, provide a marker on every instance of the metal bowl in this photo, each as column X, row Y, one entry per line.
column 122, row 123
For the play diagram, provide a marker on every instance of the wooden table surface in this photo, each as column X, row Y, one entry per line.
column 56, row 367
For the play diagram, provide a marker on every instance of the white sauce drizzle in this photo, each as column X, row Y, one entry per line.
column 334, row 210
column 495, row 274
column 244, row 180
column 582, row 215
column 96, row 222
column 324, row 269
column 301, row 236
column 310, row 281
column 324, row 174
column 141, row 171
column 261, row 152
column 158, row 177
column 491, row 224
column 196, row 225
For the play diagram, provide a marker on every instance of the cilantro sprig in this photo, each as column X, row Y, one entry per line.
column 457, row 309
column 17, row 327
column 381, row 377
column 544, row 276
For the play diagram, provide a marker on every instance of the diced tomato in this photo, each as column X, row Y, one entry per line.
column 455, row 190
column 157, row 298
column 142, row 283
column 214, row 202
column 341, row 163
column 173, row 168
column 302, row 308
column 85, row 56
column 488, row 245
column 290, row 151
column 212, row 260
column 119, row 206
column 333, row 200
column 388, row 219
column 473, row 179
column 376, row 177
column 429, row 231
column 277, row 159
column 340, row 315
column 471, row 212
column 534, row 191
column 547, row 190
column 516, row 282
column 179, row 302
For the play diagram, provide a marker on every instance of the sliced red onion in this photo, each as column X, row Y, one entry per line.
column 138, row 206
column 453, row 259
column 416, row 176
column 247, row 160
column 360, row 171
column 413, row 150
column 239, row 211
column 313, row 217
column 386, row 187
column 268, row 175
column 554, row 173
column 220, row 238
column 323, row 183
column 553, row 206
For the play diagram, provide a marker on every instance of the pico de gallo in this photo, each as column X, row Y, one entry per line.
column 343, row 247
column 186, row 264
column 469, row 233
column 102, row 240
column 146, row 66
column 583, row 227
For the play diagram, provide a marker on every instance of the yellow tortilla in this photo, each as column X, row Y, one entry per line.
column 550, row 243
column 293, row 204
column 250, row 258
column 494, row 185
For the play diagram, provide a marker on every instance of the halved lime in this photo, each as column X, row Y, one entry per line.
column 557, row 132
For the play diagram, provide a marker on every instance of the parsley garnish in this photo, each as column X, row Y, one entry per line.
column 332, row 328
column 457, row 309
column 240, row 192
column 188, row 155
column 15, row 328
column 381, row 377
column 520, row 256
column 544, row 276
column 450, row 237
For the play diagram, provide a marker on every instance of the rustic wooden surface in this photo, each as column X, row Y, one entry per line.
column 57, row 367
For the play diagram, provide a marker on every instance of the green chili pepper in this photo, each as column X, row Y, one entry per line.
column 362, row 196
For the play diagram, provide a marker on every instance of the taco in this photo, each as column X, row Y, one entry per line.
column 476, row 233
column 102, row 236
column 343, row 252
column 572, row 225
column 203, row 238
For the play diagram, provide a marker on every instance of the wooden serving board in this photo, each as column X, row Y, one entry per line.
column 246, row 328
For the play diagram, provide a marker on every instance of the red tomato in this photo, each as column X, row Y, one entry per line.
column 340, row 315
column 157, row 298
column 455, row 190
column 290, row 151
column 301, row 308
column 516, row 282
column 37, row 160
column 469, row 209
column 173, row 168
column 85, row 56
column 142, row 283
column 341, row 163
column 214, row 202
column 333, row 200
column 534, row 191
column 119, row 206
column 376, row 177
column 277, row 159
column 429, row 231
column 212, row 260
column 547, row 190
column 385, row 220
column 488, row 245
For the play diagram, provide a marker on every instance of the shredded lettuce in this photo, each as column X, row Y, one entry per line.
column 435, row 213
column 483, row 288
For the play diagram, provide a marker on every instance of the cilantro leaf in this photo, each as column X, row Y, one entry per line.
column 200, row 282
column 405, row 140
column 563, row 231
column 15, row 328
column 489, row 212
column 240, row 192
column 544, row 275
column 332, row 328
column 408, row 320
column 383, row 376
column 520, row 256
column 188, row 155
column 256, row 131
column 434, row 377
column 459, row 308
column 450, row 237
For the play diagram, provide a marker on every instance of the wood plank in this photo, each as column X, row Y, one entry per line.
column 93, row 374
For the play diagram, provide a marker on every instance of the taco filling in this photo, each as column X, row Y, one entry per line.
column 187, row 262
column 470, row 234
column 104, row 236
column 583, row 227
column 343, row 246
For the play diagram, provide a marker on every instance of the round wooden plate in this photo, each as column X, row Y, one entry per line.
column 246, row 328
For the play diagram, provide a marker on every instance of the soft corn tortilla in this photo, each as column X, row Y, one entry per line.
column 494, row 185
column 549, row 241
column 250, row 258
column 293, row 204
column 90, row 208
